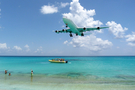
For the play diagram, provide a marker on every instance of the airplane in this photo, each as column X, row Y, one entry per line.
column 74, row 29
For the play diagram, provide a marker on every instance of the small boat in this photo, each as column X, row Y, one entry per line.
column 58, row 61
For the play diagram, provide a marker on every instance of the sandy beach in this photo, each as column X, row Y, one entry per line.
column 57, row 82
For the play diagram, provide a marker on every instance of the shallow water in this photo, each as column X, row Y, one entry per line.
column 80, row 73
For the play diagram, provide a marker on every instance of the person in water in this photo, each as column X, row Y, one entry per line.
column 31, row 72
column 9, row 74
column 5, row 71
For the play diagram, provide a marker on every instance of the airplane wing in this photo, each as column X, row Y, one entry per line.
column 90, row 29
column 63, row 31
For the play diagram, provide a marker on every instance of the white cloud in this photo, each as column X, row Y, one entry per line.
column 131, row 39
column 131, row 44
column 91, row 42
column 117, row 30
column 47, row 9
column 3, row 46
column 65, row 42
column 81, row 16
column 17, row 48
column 64, row 4
column 39, row 50
column 27, row 47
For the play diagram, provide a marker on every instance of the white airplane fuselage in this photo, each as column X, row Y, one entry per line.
column 71, row 25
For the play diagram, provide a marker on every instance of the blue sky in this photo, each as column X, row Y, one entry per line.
column 27, row 27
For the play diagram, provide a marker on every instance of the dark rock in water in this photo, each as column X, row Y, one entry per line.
column 92, row 76
column 120, row 77
column 70, row 74
column 19, row 72
column 125, row 77
column 46, row 74
column 74, row 74
column 88, row 75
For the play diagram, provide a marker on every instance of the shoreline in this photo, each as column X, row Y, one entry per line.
column 56, row 82
column 66, row 87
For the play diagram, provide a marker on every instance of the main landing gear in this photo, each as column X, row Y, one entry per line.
column 71, row 35
column 82, row 34
column 76, row 34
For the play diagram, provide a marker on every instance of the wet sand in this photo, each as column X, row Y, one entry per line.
column 68, row 81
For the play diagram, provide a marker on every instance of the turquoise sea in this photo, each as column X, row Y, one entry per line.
column 90, row 73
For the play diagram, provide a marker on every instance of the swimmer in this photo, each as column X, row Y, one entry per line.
column 9, row 74
column 31, row 72
column 5, row 71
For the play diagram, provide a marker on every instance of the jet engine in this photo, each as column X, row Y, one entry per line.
column 84, row 28
column 57, row 31
column 98, row 27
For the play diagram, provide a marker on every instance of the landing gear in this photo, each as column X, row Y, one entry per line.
column 66, row 25
column 82, row 34
column 71, row 35
column 76, row 34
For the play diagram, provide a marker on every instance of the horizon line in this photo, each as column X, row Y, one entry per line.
column 60, row 56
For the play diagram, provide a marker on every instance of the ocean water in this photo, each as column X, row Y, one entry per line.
column 82, row 71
